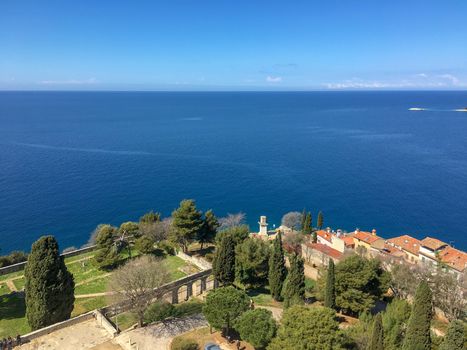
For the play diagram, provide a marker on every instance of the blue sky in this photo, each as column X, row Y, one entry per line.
column 232, row 45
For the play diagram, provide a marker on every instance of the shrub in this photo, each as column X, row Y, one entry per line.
column 256, row 327
column 184, row 344
column 159, row 311
column 189, row 308
column 209, row 257
column 13, row 258
column 145, row 245
column 167, row 247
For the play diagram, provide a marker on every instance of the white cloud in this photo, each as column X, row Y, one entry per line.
column 451, row 78
column 417, row 81
column 89, row 81
column 271, row 79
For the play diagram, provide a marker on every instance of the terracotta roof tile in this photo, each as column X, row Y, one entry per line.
column 454, row 258
column 324, row 234
column 366, row 237
column 406, row 242
column 335, row 254
column 432, row 243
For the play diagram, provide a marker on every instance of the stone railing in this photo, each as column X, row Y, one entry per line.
column 20, row 266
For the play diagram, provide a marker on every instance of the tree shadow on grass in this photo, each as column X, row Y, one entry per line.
column 12, row 306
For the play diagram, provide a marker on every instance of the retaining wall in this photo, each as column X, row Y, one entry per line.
column 55, row 327
column 20, row 266
column 200, row 262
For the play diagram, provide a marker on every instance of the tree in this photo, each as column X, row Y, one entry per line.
column 130, row 229
column 224, row 261
column 377, row 334
column 251, row 262
column 294, row 286
column 395, row 319
column 320, row 220
column 418, row 329
column 187, row 222
column 150, row 218
column 277, row 270
column 455, row 337
column 306, row 229
column 308, row 328
column 145, row 245
column 49, row 288
column 314, row 237
column 449, row 293
column 359, row 283
column 330, row 296
column 257, row 327
column 302, row 224
column 135, row 282
column 209, row 229
column 158, row 231
column 106, row 251
column 238, row 234
column 224, row 306
column 292, row 220
column 232, row 220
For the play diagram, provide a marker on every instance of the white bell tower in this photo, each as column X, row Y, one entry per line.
column 263, row 226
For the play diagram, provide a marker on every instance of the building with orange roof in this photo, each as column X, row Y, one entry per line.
column 367, row 241
column 408, row 245
column 319, row 254
column 333, row 239
column 453, row 258
column 429, row 250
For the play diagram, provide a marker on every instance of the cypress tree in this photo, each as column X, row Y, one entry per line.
column 49, row 286
column 454, row 338
column 320, row 221
column 277, row 269
column 303, row 219
column 330, row 296
column 307, row 224
column 224, row 261
column 377, row 334
column 314, row 237
column 418, row 330
column 294, row 286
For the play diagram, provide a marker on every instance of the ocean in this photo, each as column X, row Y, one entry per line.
column 72, row 160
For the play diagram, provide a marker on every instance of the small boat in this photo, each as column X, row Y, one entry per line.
column 416, row 109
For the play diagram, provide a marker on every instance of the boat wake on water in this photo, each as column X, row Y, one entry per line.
column 419, row 109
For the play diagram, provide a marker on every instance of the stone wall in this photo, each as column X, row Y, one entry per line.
column 20, row 266
column 200, row 262
column 55, row 327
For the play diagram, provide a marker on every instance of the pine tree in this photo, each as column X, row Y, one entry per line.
column 418, row 330
column 320, row 221
column 187, row 223
column 277, row 269
column 330, row 296
column 294, row 286
column 307, row 224
column 454, row 338
column 209, row 229
column 106, row 251
column 224, row 261
column 377, row 334
column 49, row 286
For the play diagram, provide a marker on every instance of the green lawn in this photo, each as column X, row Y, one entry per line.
column 125, row 320
column 95, row 286
column 88, row 304
column 12, row 307
column 19, row 283
column 12, row 315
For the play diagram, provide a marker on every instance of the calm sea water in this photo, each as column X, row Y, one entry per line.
column 72, row 160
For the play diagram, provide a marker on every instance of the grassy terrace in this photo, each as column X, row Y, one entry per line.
column 88, row 281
